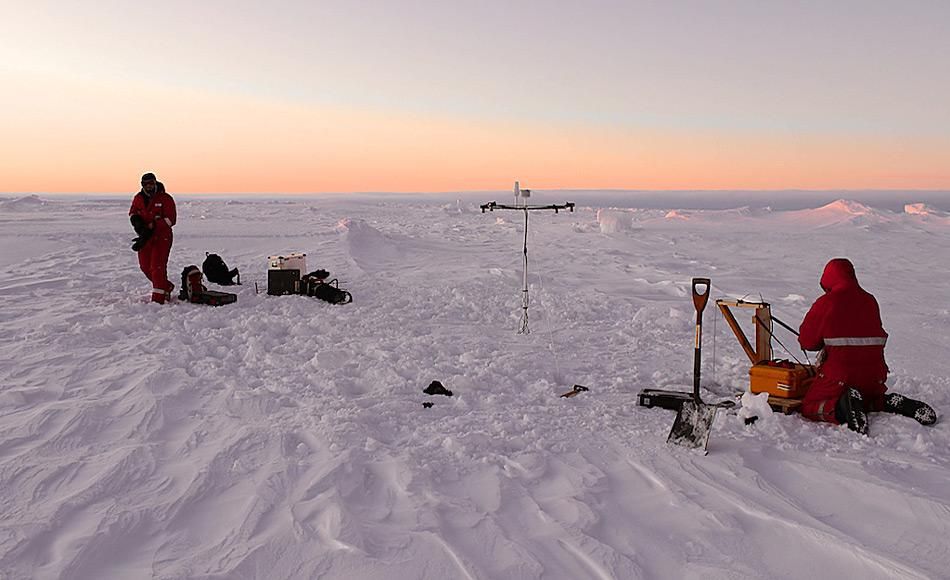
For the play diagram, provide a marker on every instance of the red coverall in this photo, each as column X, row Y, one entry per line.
column 846, row 322
column 159, row 211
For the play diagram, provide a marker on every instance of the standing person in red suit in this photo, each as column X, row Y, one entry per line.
column 153, row 216
column 845, row 324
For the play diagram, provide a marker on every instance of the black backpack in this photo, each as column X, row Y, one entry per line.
column 218, row 272
column 330, row 291
column 315, row 284
column 191, row 286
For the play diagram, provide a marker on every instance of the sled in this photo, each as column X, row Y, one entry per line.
column 215, row 298
column 785, row 405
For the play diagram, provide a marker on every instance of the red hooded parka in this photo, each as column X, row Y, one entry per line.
column 846, row 323
column 158, row 210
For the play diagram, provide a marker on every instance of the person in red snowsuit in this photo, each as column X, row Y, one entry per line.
column 153, row 215
column 846, row 324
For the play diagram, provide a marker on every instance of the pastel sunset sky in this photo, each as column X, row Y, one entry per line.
column 416, row 95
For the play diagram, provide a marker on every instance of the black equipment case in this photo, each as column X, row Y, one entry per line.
column 215, row 298
column 283, row 282
column 672, row 400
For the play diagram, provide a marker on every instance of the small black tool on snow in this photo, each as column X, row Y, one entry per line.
column 575, row 391
column 427, row 405
column 436, row 388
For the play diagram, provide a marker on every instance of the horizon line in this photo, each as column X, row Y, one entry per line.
column 504, row 191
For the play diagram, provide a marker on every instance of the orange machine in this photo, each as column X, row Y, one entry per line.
column 779, row 378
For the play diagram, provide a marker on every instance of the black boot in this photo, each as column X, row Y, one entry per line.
column 850, row 410
column 918, row 410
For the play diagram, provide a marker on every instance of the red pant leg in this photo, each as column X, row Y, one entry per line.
column 153, row 261
column 145, row 260
column 158, row 268
column 821, row 398
column 819, row 403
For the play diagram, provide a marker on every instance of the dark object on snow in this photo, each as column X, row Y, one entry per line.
column 436, row 388
column 282, row 282
column 850, row 410
column 671, row 400
column 215, row 298
column 142, row 231
column 917, row 410
column 315, row 284
column 192, row 290
column 191, row 285
column 575, row 391
column 218, row 272
column 694, row 418
column 427, row 405
column 751, row 420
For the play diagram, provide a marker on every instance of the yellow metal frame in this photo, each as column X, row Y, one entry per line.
column 762, row 319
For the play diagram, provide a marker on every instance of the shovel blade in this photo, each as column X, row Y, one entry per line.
column 693, row 423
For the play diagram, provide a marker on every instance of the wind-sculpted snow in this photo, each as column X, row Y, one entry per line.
column 284, row 437
column 25, row 203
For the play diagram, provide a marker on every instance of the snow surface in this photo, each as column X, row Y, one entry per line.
column 283, row 437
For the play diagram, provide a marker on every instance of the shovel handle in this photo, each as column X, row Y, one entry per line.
column 700, row 298
column 699, row 301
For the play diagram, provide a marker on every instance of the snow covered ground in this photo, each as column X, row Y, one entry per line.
column 283, row 437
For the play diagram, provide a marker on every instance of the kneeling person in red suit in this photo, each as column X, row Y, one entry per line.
column 845, row 324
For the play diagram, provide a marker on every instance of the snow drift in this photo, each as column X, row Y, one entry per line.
column 284, row 437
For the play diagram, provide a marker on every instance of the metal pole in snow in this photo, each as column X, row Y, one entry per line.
column 492, row 206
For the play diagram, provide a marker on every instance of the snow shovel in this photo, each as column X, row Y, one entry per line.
column 694, row 418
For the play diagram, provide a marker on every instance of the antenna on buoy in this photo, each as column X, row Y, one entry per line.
column 523, row 195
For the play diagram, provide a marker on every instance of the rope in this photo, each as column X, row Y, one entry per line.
column 524, row 291
column 772, row 335
column 715, row 334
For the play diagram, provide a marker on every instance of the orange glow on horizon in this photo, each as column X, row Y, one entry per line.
column 67, row 135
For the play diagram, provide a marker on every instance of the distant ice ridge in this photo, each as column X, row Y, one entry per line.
column 25, row 203
column 923, row 209
column 847, row 206
column 842, row 211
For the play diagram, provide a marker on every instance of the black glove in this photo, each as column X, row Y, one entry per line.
column 140, row 226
